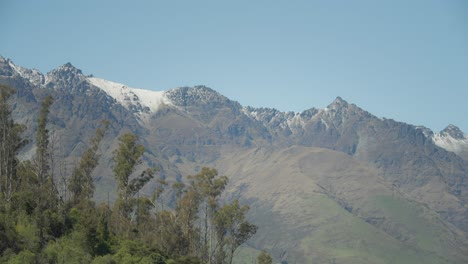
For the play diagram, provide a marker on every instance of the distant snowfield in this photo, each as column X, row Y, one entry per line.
column 127, row 96
column 451, row 144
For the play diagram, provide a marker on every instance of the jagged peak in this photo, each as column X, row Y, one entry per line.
column 183, row 96
column 203, row 87
column 5, row 67
column 339, row 100
column 4, row 60
column 340, row 109
column 67, row 68
column 451, row 139
column 65, row 76
column 262, row 109
column 426, row 131
column 453, row 131
column 10, row 63
column 338, row 103
column 34, row 76
column 194, row 89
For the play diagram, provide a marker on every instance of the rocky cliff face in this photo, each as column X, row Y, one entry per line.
column 189, row 127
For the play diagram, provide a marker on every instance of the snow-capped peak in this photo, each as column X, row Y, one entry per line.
column 426, row 131
column 34, row 76
column 143, row 101
column 64, row 71
column 451, row 139
column 453, row 131
column 336, row 105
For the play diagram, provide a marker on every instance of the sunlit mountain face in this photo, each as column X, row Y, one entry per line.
column 335, row 183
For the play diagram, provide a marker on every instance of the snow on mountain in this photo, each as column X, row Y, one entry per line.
column 34, row 76
column 66, row 76
column 451, row 139
column 142, row 101
column 198, row 95
column 426, row 131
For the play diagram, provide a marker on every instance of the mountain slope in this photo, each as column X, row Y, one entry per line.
column 314, row 204
column 406, row 155
column 333, row 184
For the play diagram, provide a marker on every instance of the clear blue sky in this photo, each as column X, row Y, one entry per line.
column 406, row 60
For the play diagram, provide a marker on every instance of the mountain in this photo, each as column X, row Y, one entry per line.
column 452, row 139
column 336, row 185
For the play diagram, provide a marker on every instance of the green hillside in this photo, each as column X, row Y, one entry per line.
column 321, row 206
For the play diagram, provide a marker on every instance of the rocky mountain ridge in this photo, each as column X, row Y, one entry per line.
column 67, row 76
column 188, row 127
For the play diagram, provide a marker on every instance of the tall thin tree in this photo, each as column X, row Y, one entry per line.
column 42, row 141
column 81, row 184
column 10, row 144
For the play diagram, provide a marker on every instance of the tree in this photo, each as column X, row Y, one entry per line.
column 232, row 230
column 187, row 214
column 157, row 195
column 213, row 233
column 264, row 258
column 209, row 187
column 103, row 235
column 8, row 236
column 81, row 184
column 42, row 141
column 10, row 144
column 46, row 211
column 70, row 248
column 36, row 227
column 126, row 158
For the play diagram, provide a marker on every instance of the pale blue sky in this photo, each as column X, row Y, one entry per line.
column 406, row 60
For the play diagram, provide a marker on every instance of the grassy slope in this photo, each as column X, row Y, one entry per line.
column 246, row 255
column 348, row 239
column 297, row 197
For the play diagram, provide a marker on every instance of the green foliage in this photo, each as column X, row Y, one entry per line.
column 168, row 235
column 209, row 185
column 25, row 200
column 8, row 236
column 81, row 183
column 22, row 257
column 102, row 245
column 37, row 226
column 185, row 260
column 10, row 144
column 211, row 232
column 130, row 252
column 126, row 158
column 46, row 213
column 232, row 230
column 264, row 258
column 28, row 233
column 106, row 259
column 42, row 141
column 71, row 248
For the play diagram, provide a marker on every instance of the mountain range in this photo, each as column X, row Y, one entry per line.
column 330, row 185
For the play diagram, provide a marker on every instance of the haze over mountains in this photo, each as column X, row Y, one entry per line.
column 331, row 185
